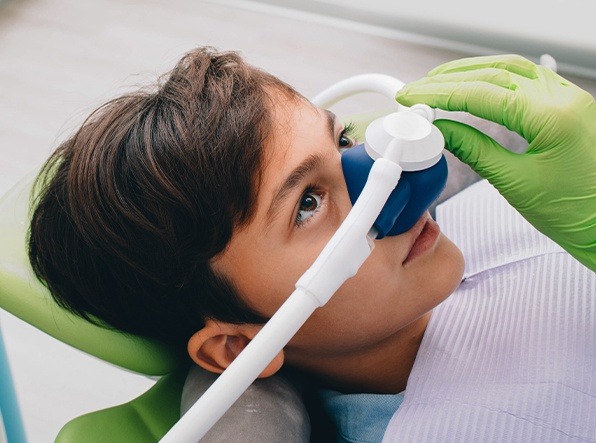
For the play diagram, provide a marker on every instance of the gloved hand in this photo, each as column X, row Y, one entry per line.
column 552, row 184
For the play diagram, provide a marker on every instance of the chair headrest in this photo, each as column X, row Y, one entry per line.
column 24, row 296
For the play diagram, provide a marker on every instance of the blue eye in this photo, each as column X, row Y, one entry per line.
column 310, row 202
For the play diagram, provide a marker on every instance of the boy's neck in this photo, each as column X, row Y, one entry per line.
column 383, row 370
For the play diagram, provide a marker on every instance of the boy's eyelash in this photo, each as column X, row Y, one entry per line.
column 349, row 129
column 348, row 133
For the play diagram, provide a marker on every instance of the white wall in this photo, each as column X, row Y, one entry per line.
column 566, row 29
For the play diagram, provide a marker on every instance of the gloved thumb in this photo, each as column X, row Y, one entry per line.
column 487, row 157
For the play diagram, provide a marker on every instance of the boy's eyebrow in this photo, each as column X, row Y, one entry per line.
column 309, row 164
column 331, row 118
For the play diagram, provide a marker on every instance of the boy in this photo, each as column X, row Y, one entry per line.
column 187, row 214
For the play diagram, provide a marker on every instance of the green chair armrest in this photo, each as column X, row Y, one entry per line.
column 144, row 419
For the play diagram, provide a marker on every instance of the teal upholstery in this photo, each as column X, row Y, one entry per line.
column 9, row 408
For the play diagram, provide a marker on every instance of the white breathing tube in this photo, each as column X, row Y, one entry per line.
column 379, row 83
column 341, row 258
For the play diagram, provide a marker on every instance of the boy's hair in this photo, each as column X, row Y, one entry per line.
column 132, row 208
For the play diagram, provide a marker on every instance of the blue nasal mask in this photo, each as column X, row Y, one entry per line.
column 412, row 196
column 424, row 169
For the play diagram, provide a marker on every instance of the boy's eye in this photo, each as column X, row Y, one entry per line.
column 310, row 203
column 346, row 140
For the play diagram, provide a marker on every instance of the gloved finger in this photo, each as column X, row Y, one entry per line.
column 482, row 99
column 548, row 74
column 494, row 76
column 509, row 62
column 483, row 154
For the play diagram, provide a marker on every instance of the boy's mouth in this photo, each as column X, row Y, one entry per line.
column 424, row 236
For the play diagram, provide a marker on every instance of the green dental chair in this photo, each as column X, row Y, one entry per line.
column 144, row 419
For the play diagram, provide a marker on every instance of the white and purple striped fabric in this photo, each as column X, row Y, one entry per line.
column 511, row 355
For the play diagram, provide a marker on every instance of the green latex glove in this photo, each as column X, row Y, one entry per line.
column 552, row 184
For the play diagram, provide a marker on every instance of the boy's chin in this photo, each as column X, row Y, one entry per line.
column 460, row 265
column 453, row 265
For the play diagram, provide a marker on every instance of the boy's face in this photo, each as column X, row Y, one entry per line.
column 302, row 201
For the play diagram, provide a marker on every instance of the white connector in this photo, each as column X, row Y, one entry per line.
column 420, row 142
column 424, row 111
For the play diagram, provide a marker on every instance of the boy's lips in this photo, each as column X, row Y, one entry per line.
column 424, row 236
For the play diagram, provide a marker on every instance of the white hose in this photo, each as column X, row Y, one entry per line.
column 379, row 83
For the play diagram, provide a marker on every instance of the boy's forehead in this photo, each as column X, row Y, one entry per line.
column 291, row 111
column 296, row 123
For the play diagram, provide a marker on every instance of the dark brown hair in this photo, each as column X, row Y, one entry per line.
column 133, row 207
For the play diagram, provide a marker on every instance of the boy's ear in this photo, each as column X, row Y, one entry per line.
column 217, row 345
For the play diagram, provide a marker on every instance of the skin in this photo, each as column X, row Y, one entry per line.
column 365, row 339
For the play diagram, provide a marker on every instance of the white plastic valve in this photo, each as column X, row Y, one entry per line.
column 424, row 111
column 415, row 142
